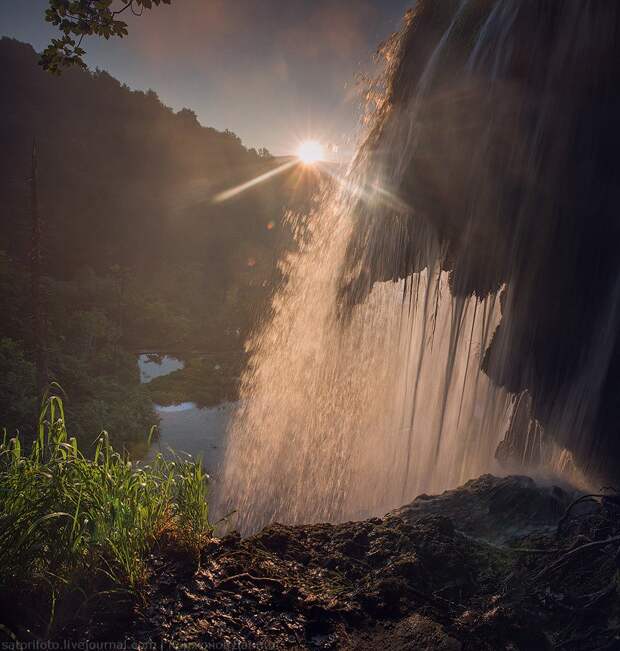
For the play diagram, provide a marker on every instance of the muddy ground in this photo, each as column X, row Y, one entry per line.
column 482, row 567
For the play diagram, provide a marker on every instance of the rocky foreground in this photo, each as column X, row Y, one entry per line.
column 496, row 564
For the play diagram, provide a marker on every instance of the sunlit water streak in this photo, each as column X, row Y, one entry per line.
column 341, row 420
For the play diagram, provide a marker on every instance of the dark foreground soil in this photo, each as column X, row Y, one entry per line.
column 496, row 564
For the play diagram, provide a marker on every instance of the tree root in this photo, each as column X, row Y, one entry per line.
column 565, row 558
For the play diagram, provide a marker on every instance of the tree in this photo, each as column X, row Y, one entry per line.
column 79, row 18
column 39, row 321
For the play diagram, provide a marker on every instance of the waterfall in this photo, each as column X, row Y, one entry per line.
column 341, row 420
column 435, row 302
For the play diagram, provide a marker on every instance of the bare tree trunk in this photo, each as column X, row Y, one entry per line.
column 39, row 323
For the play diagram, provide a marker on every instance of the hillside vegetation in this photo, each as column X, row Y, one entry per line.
column 136, row 255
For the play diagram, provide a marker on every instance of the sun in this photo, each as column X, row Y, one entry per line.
column 310, row 152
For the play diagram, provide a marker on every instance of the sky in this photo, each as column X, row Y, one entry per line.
column 273, row 71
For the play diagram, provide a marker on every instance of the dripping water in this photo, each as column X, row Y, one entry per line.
column 342, row 420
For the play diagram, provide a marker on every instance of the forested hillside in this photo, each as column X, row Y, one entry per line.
column 135, row 254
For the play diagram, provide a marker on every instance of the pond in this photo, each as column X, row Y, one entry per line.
column 186, row 428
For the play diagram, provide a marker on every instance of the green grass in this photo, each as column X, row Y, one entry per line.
column 72, row 522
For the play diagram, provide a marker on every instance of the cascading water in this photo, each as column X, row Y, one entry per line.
column 438, row 285
column 346, row 419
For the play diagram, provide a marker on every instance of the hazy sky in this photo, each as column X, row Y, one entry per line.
column 272, row 71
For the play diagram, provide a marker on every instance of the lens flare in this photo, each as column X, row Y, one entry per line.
column 310, row 152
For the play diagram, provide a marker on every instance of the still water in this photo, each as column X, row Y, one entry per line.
column 186, row 428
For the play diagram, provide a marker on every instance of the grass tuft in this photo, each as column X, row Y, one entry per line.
column 69, row 522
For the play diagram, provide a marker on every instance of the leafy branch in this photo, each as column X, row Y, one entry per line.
column 77, row 19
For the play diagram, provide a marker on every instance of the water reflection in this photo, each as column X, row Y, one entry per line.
column 199, row 432
column 184, row 427
column 152, row 366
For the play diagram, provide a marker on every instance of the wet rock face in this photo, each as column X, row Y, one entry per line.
column 418, row 578
column 495, row 509
column 500, row 133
